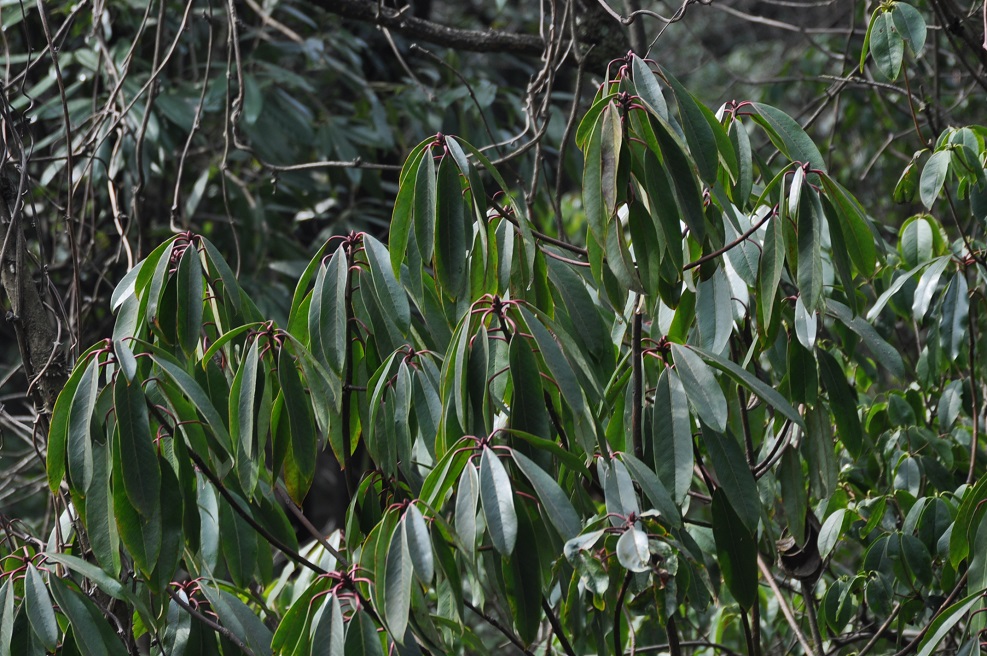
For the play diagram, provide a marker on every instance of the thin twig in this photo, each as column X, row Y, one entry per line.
column 500, row 627
column 557, row 627
column 786, row 610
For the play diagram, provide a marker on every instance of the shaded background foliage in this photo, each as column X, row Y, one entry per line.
column 270, row 127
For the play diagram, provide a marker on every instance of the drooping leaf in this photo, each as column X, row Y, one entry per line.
column 397, row 584
column 735, row 477
column 93, row 635
column 842, row 402
column 653, row 489
column 886, row 45
column 190, row 286
column 954, row 316
column 419, row 544
column 701, row 387
column 788, row 136
column 450, row 230
column 557, row 507
column 632, row 550
column 886, row 354
column 736, row 550
column 139, row 463
column 672, row 435
column 393, row 299
column 497, row 500
column 39, row 609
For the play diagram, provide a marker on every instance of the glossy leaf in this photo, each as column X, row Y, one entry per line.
column 139, row 463
column 450, row 230
column 653, row 489
column 93, row 635
column 632, row 550
column 497, row 500
column 397, row 584
column 955, row 316
column 886, row 45
column 419, row 544
column 39, row 609
column 933, row 177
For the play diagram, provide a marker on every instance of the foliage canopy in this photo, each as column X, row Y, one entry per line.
column 706, row 402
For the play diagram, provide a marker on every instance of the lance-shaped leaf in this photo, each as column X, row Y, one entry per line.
column 243, row 394
column 194, row 393
column 701, row 387
column 239, row 544
column 933, row 177
column 419, row 544
column 190, row 285
column 810, row 271
column 405, row 210
column 390, row 293
column 467, row 498
column 788, row 136
column 842, row 402
column 771, row 266
column 766, row 392
column 39, row 610
column 398, row 569
column 299, row 464
column 528, row 411
column 425, row 205
column 93, row 635
column 945, row 621
column 327, row 313
column 683, row 177
column 736, row 550
column 361, row 637
column 497, row 499
column 734, row 476
column 955, row 316
column 80, row 452
column 450, row 230
column 671, row 433
column 646, row 85
column 328, row 632
column 653, row 488
column 855, row 233
column 139, row 462
column 61, row 422
column 698, row 131
column 884, row 353
column 714, row 312
column 557, row 507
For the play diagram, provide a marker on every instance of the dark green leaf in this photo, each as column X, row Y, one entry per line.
column 93, row 635
column 842, row 402
column 672, row 434
column 885, row 354
column 734, row 476
column 39, row 610
column 139, row 463
column 933, row 177
column 397, row 584
column 450, row 230
column 653, row 488
column 788, row 136
column 557, row 507
column 419, row 544
column 701, row 387
column 497, row 499
column 736, row 549
column 955, row 316
column 190, row 286
column 886, row 45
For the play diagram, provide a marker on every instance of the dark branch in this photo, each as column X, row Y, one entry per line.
column 417, row 28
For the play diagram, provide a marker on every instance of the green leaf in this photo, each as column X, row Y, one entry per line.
column 93, row 635
column 714, row 311
column 190, row 286
column 327, row 628
column 671, row 432
column 885, row 354
column 558, row 365
column 467, row 498
column 100, row 522
column 933, row 177
column 736, row 550
column 842, row 402
column 810, row 271
column 39, row 609
column 945, row 621
column 243, row 393
column 646, row 85
column 698, row 132
column 393, row 299
column 556, row 505
column 61, row 423
column 80, row 450
column 139, row 463
column 701, row 387
column 734, row 476
column 404, row 211
column 7, row 615
column 327, row 313
column 950, row 404
column 450, row 230
column 528, row 412
column 927, row 286
column 361, row 637
column 299, row 465
column 788, row 136
column 771, row 266
column 497, row 499
column 766, row 392
column 419, row 544
column 915, row 241
column 886, row 45
column 653, row 488
column 425, row 205
column 954, row 316
column 964, row 528
column 194, row 393
column 239, row 544
column 687, row 191
column 910, row 25
column 397, row 585
column 632, row 550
